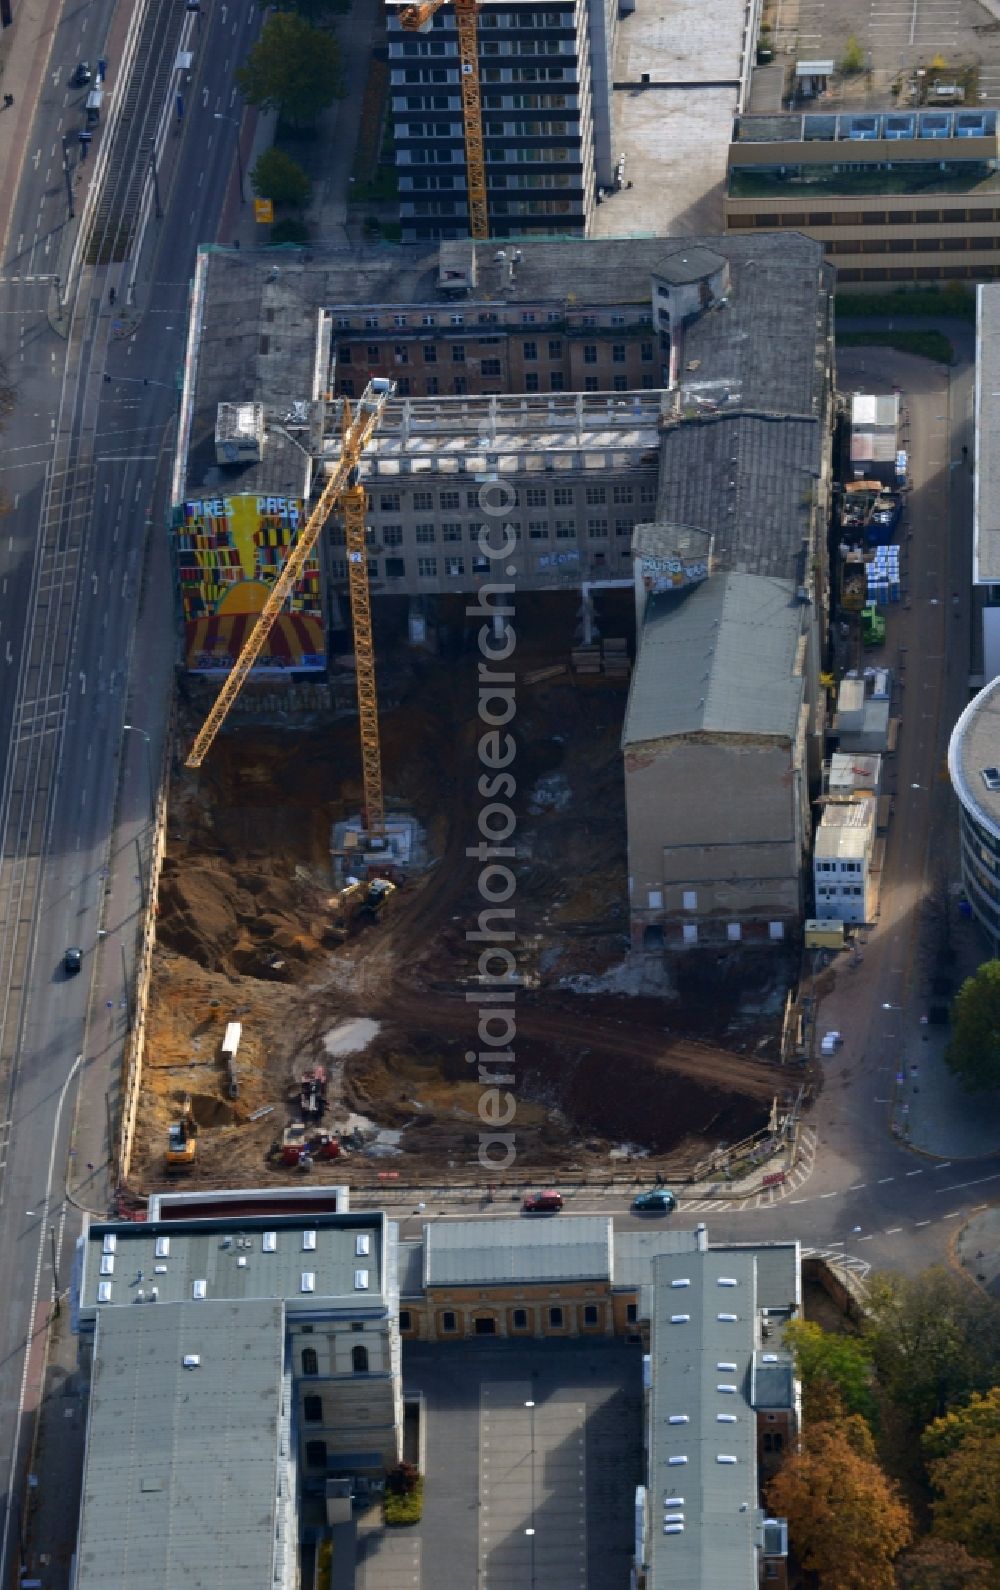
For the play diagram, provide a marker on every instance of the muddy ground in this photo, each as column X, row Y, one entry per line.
column 245, row 934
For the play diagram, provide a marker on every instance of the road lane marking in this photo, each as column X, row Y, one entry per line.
column 828, row 1195
column 958, row 1185
column 943, row 1166
column 883, row 1179
column 860, row 1187
column 914, row 1173
column 922, row 1222
column 892, row 1231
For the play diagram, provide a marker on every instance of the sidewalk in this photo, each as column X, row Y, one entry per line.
column 329, row 216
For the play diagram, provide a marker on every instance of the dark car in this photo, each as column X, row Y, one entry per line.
column 82, row 75
column 72, row 961
column 548, row 1202
column 658, row 1201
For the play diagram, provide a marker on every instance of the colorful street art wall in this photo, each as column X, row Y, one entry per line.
column 229, row 551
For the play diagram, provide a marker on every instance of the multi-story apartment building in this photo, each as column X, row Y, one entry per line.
column 545, row 77
column 893, row 196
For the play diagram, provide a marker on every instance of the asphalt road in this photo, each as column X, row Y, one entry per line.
column 83, row 462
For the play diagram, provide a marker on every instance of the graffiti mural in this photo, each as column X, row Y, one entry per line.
column 229, row 551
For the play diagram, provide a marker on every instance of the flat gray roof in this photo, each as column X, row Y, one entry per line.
column 779, row 1272
column 253, row 337
column 718, row 658
column 239, row 1260
column 531, row 1248
column 701, row 1349
column 986, row 505
column 974, row 750
column 180, row 1479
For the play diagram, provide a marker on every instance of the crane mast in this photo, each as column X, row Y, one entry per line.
column 417, row 18
column 343, row 490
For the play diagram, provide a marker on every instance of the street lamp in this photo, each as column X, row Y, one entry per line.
column 131, row 728
column 221, row 116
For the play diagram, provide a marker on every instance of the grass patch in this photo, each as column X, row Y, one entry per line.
column 928, row 344
column 954, row 303
column 384, row 185
column 406, row 1508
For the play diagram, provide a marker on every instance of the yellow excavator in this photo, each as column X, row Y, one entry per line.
column 182, row 1138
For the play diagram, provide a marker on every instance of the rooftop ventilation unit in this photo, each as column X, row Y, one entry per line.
column 239, row 433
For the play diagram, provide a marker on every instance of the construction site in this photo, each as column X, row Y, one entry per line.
column 313, row 988
column 354, row 1022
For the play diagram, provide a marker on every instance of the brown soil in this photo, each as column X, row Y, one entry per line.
column 244, row 933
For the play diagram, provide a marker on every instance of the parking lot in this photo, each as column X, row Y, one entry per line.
column 532, row 1453
column 900, row 34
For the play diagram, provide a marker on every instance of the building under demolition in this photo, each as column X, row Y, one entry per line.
column 694, row 452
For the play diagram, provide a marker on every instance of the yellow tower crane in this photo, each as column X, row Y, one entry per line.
column 417, row 18
column 342, row 491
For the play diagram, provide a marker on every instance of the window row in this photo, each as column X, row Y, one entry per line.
column 787, row 219
column 555, row 1316
column 595, row 496
column 313, row 1411
column 459, row 384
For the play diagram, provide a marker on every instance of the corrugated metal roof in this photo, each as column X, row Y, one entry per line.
column 180, row 1474
column 747, row 477
column 697, row 1355
column 255, row 1257
column 533, row 1248
column 636, row 1250
column 411, row 1268
column 718, row 658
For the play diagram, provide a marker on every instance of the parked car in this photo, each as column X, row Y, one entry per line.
column 81, row 76
column 72, row 961
column 658, row 1201
column 548, row 1202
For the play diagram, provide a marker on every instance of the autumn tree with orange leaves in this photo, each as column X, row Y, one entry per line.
column 846, row 1521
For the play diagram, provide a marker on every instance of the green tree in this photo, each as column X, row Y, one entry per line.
column 835, row 1370
column 933, row 1339
column 294, row 69
column 853, row 59
column 963, row 1453
column 943, row 1565
column 974, row 1050
column 846, row 1521
column 277, row 176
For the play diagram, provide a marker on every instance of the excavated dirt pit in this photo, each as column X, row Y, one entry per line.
column 244, row 934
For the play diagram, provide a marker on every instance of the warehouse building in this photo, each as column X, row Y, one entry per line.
column 232, row 1419
column 718, row 705
column 271, row 348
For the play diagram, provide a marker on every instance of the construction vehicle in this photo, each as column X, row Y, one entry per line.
column 417, row 18
column 294, row 1151
column 343, row 491
column 182, row 1138
column 312, row 1092
column 377, row 895
column 872, row 626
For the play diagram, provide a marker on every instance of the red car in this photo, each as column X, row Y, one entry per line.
column 548, row 1202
